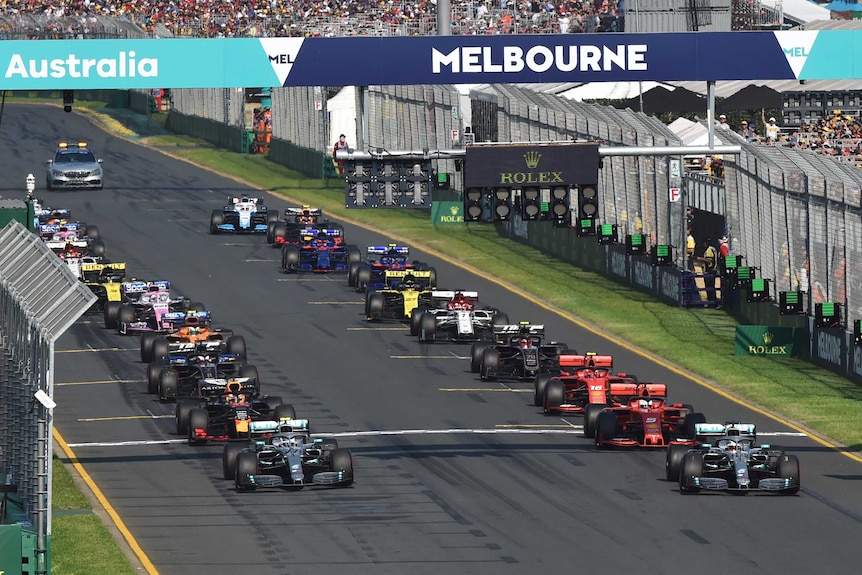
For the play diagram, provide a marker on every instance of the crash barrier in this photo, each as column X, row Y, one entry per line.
column 40, row 298
column 217, row 133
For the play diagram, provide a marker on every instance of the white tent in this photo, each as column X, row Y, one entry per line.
column 342, row 116
column 607, row 90
column 693, row 133
column 798, row 10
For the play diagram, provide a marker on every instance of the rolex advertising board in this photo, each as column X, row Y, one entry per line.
column 447, row 213
column 541, row 165
column 764, row 340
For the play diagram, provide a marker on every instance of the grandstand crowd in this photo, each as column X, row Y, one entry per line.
column 58, row 19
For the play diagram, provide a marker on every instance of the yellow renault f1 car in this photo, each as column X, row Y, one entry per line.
column 404, row 291
column 105, row 280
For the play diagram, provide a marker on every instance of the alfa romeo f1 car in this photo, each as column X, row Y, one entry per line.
column 74, row 166
column 289, row 230
column 645, row 420
column 371, row 274
column 583, row 380
column 143, row 308
column 405, row 291
column 290, row 459
column 728, row 458
column 455, row 316
column 520, row 352
column 227, row 414
column 322, row 250
column 242, row 215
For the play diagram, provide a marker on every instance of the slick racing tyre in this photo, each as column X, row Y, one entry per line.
column 555, row 393
column 692, row 466
column 539, row 389
column 432, row 280
column 216, row 219
column 246, row 464
column 154, row 372
column 490, row 364
column 341, row 461
column 591, row 416
column 272, row 403
column 91, row 232
column 126, row 314
column 160, row 350
column 269, row 228
column 228, row 459
column 692, row 419
column 353, row 254
column 182, row 412
column 352, row 269
column 112, row 310
column 606, row 428
column 168, row 381
column 284, row 411
column 476, row 351
column 788, row 468
column 236, row 346
column 375, row 304
column 289, row 258
column 279, row 230
column 500, row 318
column 415, row 319
column 427, row 327
column 97, row 248
column 198, row 419
column 673, row 461
column 271, row 217
column 363, row 276
column 147, row 340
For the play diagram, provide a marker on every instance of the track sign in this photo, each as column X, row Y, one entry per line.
column 674, row 194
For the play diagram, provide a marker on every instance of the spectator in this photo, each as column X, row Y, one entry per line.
column 710, row 256
column 770, row 128
column 723, row 247
column 747, row 131
column 722, row 122
column 690, row 246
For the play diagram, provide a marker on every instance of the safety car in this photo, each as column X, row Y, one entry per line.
column 455, row 316
column 646, row 419
column 288, row 459
column 322, row 250
column 404, row 291
column 74, row 166
column 519, row 351
column 242, row 215
column 143, row 307
column 727, row 457
column 226, row 415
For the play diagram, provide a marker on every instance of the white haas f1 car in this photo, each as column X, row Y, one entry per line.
column 455, row 316
column 728, row 458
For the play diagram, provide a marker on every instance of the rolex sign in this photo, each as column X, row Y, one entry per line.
column 534, row 165
column 447, row 213
column 769, row 341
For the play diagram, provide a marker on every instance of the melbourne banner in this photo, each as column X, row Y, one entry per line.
column 769, row 341
column 362, row 61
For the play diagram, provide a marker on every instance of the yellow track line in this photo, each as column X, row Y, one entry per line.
column 109, row 509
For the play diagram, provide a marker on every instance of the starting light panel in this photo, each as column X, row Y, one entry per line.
column 531, row 207
column 390, row 182
column 474, row 204
column 857, row 332
column 502, row 204
column 559, row 207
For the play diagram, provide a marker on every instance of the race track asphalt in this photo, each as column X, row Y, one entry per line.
column 506, row 490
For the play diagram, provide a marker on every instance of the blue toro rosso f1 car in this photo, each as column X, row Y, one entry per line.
column 371, row 274
column 322, row 250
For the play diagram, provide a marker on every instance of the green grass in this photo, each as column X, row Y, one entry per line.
column 80, row 542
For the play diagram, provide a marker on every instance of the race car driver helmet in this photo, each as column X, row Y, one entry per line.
column 278, row 441
column 409, row 281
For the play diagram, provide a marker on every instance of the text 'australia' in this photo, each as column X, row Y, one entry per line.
column 513, row 59
column 125, row 65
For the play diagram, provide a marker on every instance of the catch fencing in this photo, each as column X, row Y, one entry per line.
column 40, row 298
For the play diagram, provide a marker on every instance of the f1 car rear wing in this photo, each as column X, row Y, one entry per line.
column 586, row 360
column 52, row 228
column 143, row 287
column 203, row 317
column 261, row 427
column 522, row 329
column 217, row 387
column 391, row 249
column 93, row 272
column 730, row 429
column 244, row 200
column 396, row 277
column 48, row 213
column 306, row 211
column 449, row 294
column 632, row 389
